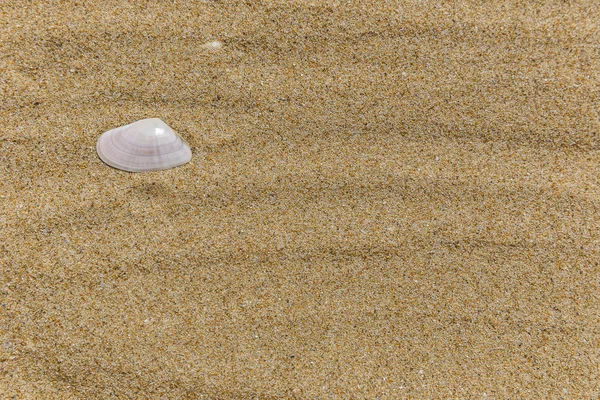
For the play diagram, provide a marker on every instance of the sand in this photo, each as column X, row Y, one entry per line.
column 391, row 201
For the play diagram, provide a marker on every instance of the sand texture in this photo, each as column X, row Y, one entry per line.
column 391, row 201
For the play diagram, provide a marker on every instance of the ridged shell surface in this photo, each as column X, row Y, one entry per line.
column 145, row 145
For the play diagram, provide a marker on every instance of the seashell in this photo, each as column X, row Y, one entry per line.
column 145, row 145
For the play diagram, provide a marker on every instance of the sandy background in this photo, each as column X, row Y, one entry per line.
column 398, row 201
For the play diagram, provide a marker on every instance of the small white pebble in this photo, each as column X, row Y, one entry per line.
column 213, row 45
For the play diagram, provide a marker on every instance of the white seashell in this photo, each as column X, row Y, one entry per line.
column 145, row 145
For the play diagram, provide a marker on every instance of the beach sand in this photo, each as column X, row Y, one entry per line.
column 391, row 201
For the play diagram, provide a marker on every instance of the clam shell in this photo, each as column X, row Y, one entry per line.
column 145, row 145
